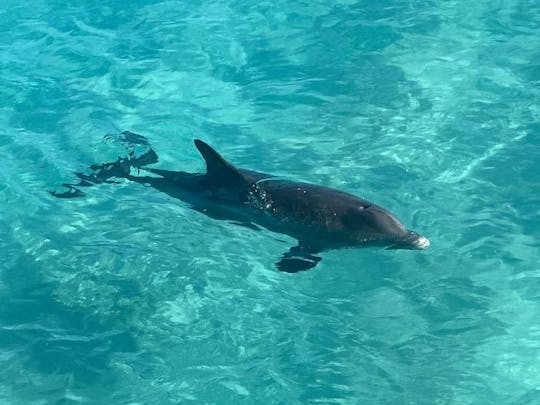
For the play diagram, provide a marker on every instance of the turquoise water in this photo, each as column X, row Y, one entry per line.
column 429, row 108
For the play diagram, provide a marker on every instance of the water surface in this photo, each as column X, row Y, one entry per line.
column 429, row 108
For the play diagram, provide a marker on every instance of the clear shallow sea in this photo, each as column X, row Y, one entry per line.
column 429, row 108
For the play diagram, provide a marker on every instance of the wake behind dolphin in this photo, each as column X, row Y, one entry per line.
column 320, row 218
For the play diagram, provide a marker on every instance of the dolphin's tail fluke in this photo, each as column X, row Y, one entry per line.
column 107, row 172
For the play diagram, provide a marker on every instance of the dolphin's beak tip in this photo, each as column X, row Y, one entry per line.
column 422, row 243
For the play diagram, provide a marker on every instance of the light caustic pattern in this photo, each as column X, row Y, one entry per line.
column 427, row 108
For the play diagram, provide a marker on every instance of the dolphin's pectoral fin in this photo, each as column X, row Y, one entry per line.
column 298, row 258
column 296, row 264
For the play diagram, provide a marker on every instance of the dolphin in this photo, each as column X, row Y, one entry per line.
column 318, row 217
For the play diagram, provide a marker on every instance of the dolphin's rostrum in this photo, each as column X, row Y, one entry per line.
column 320, row 218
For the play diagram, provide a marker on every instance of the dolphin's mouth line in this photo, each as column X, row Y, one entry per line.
column 411, row 240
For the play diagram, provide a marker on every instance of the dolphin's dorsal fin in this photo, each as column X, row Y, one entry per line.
column 218, row 170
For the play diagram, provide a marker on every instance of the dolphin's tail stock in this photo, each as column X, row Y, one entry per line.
column 139, row 154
